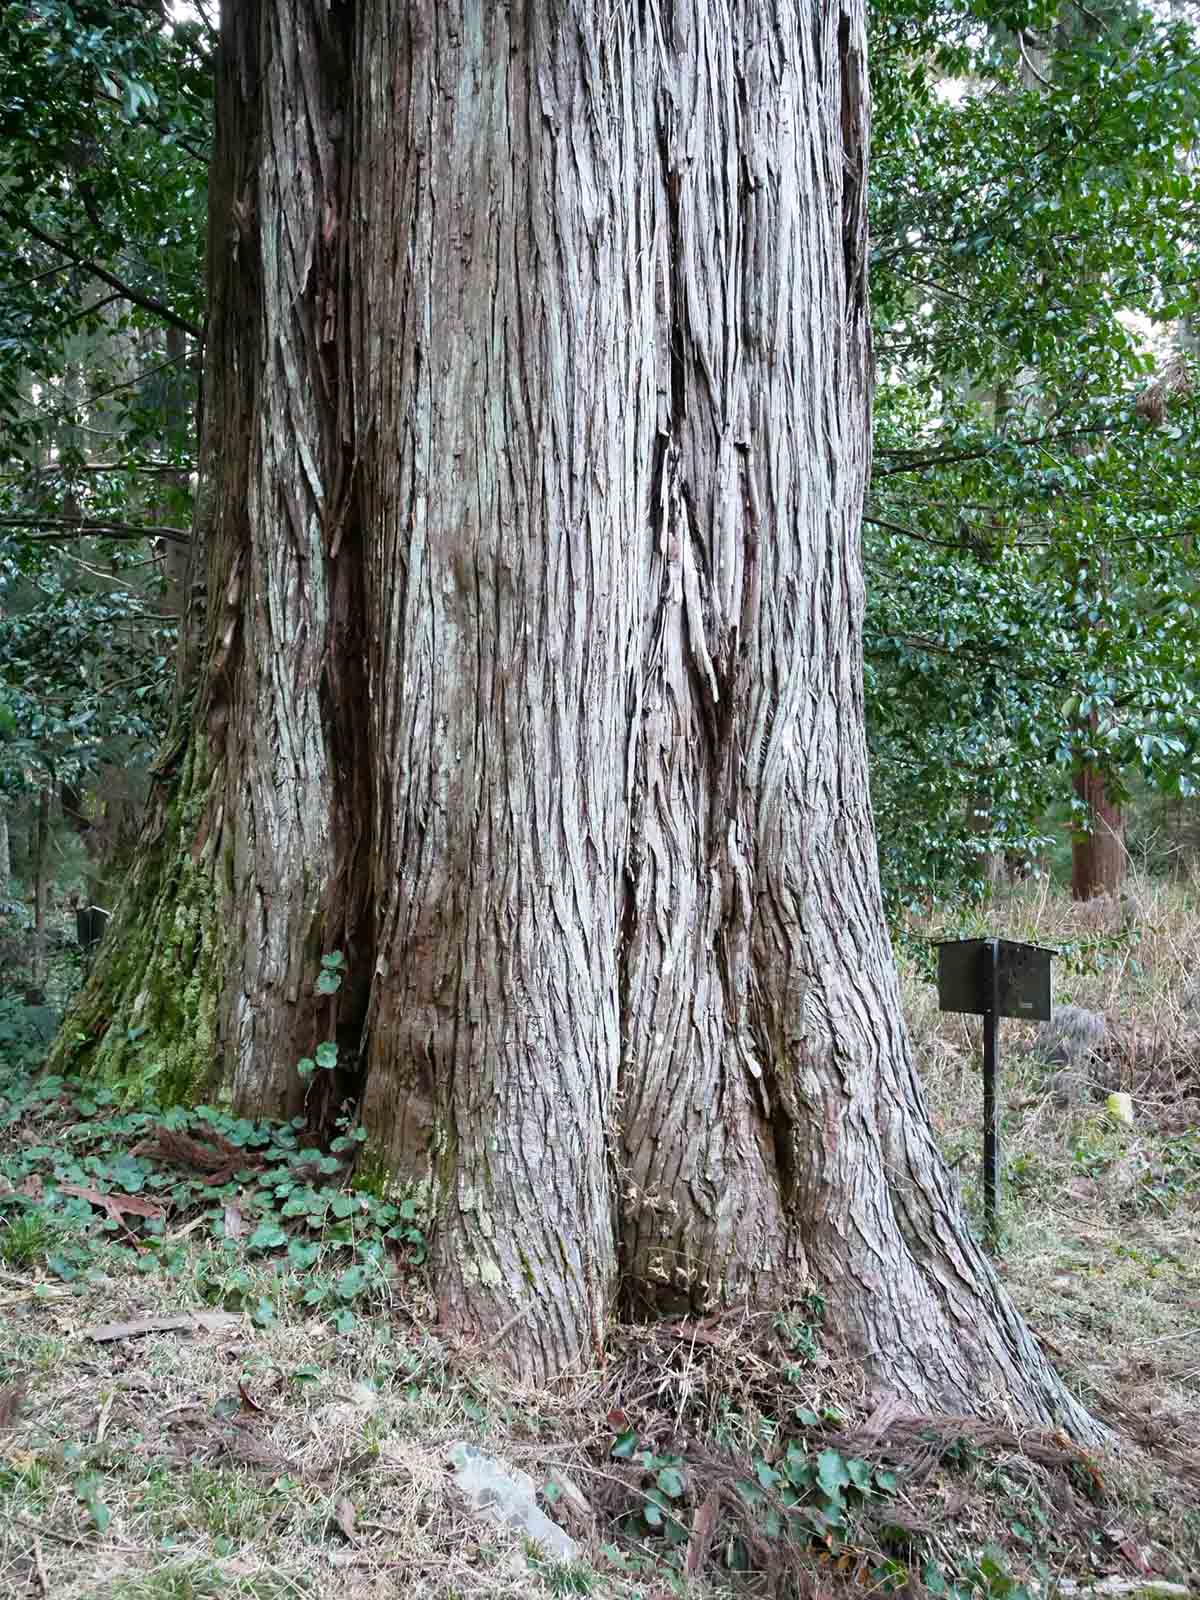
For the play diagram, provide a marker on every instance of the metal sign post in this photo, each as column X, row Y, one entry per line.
column 991, row 1066
column 993, row 978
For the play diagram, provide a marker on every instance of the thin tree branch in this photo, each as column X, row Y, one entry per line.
column 911, row 533
column 68, row 528
column 918, row 463
column 135, row 296
column 1025, row 57
column 1188, row 531
column 57, row 469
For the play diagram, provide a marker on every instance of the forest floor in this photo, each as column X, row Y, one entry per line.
column 289, row 1437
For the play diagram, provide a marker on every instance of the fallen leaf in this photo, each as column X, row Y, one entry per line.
column 694, row 1332
column 116, row 1205
column 345, row 1518
column 196, row 1322
column 11, row 1396
column 1127, row 1547
column 247, row 1403
column 216, row 1155
column 702, row 1526
column 234, row 1226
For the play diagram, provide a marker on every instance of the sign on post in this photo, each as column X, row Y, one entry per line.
column 993, row 978
column 90, row 923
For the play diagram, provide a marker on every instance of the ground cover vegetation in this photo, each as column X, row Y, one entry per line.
column 1029, row 641
column 297, row 1443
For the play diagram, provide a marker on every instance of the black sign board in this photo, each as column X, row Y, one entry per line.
column 90, row 922
column 993, row 978
column 89, row 925
column 1022, row 978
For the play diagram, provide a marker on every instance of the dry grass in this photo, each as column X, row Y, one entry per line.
column 1101, row 1222
column 264, row 1462
column 288, row 1459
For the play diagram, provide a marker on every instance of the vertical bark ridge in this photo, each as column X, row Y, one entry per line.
column 500, row 361
column 756, row 520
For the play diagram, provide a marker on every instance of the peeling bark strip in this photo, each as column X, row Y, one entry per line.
column 538, row 431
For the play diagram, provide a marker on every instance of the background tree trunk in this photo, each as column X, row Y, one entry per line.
column 1097, row 856
column 42, row 883
column 536, row 434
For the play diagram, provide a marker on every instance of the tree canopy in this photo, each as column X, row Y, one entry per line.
column 1028, row 539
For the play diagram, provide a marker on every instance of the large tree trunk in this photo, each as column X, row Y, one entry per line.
column 536, row 433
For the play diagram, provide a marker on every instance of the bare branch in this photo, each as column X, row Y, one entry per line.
column 1025, row 57
column 135, row 296
column 67, row 528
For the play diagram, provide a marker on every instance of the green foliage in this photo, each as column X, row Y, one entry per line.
column 329, row 981
column 800, row 1330
column 814, row 1496
column 1031, row 601
column 23, row 1035
column 338, row 1250
column 562, row 1577
column 799, row 1495
column 104, row 126
column 1172, row 1178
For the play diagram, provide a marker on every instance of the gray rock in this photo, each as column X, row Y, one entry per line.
column 506, row 1496
column 1071, row 1037
column 1070, row 1088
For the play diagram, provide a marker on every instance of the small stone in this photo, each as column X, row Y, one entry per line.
column 1072, row 1041
column 1120, row 1109
column 1070, row 1088
column 506, row 1496
column 1071, row 1037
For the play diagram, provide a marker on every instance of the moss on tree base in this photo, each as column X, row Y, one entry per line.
column 145, row 1021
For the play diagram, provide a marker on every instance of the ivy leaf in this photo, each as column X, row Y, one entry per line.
column 832, row 1474
column 352, row 1282
column 860, row 1475
column 87, row 1490
column 267, row 1236
column 263, row 1314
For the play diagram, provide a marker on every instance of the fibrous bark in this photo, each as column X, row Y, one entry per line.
column 538, row 410
column 1098, row 849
